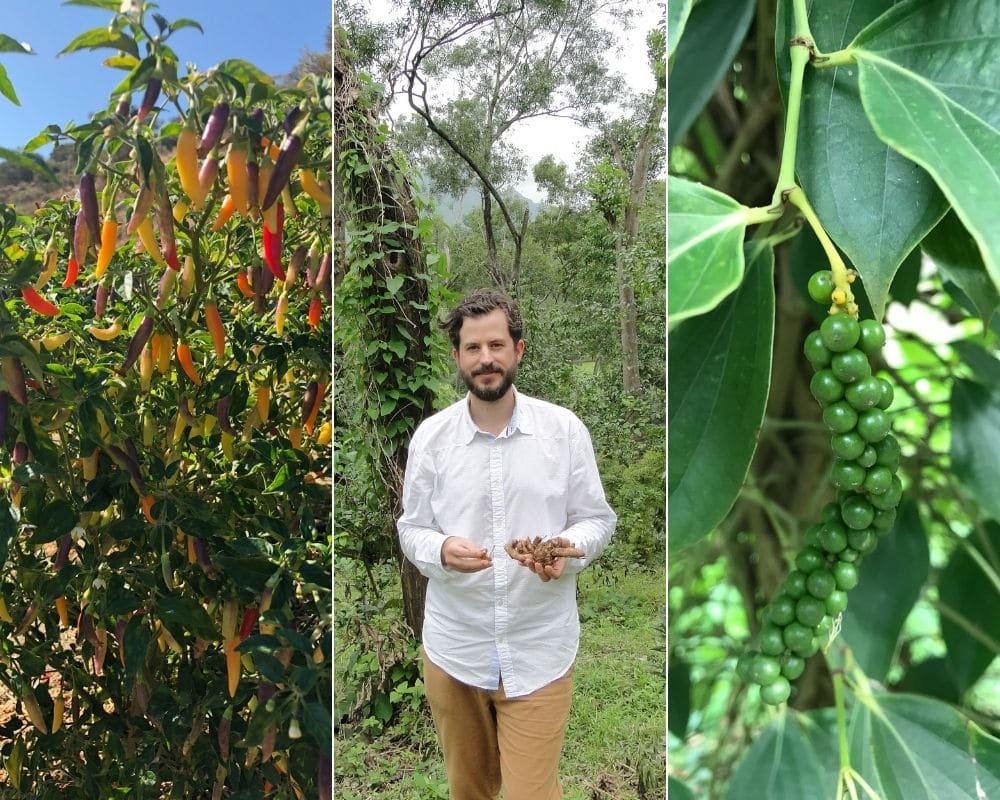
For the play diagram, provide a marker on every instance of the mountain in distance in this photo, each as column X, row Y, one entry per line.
column 453, row 209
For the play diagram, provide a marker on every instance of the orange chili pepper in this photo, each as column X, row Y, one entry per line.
column 161, row 346
column 147, row 508
column 62, row 610
column 243, row 282
column 236, row 172
column 315, row 312
column 109, row 237
column 215, row 328
column 226, row 210
column 310, row 422
column 38, row 303
column 263, row 402
column 186, row 361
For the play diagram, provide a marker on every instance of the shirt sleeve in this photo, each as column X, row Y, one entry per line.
column 590, row 520
column 420, row 538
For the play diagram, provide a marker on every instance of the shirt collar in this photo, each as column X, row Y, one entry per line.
column 517, row 420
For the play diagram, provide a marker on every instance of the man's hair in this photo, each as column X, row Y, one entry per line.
column 481, row 302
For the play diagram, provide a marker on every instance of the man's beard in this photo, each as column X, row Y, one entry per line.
column 490, row 395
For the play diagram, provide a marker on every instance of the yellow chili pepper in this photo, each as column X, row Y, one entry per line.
column 192, row 556
column 314, row 189
column 146, row 369
column 188, row 277
column 295, row 437
column 271, row 215
column 50, row 343
column 187, row 166
column 58, row 711
column 50, row 260
column 105, row 334
column 227, row 445
column 148, row 239
column 33, row 710
column 325, row 434
column 280, row 310
column 109, row 238
column 5, row 613
column 180, row 211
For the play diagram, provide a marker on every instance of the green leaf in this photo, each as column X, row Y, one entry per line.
column 7, row 90
column 56, row 519
column 712, row 35
column 874, row 203
column 107, row 5
column 394, row 284
column 720, row 371
column 677, row 790
column 924, row 749
column 975, row 442
column 957, row 257
column 705, row 249
column 784, row 763
column 245, row 71
column 135, row 644
column 983, row 363
column 677, row 17
column 97, row 38
column 23, row 159
column 184, row 22
column 966, row 589
column 250, row 572
column 8, row 529
column 679, row 691
column 318, row 725
column 905, row 747
column 931, row 98
column 8, row 44
column 186, row 614
column 891, row 579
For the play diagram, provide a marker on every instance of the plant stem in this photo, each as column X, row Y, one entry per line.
column 798, row 199
column 843, row 745
column 970, row 628
column 786, row 173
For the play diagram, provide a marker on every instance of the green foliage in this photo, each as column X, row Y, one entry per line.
column 128, row 505
column 884, row 148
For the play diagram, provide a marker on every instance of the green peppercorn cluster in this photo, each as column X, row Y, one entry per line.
column 800, row 617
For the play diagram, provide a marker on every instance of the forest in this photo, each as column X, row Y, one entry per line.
column 425, row 107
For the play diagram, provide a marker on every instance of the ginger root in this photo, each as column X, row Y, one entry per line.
column 541, row 551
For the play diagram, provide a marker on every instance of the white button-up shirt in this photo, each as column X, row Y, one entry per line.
column 538, row 478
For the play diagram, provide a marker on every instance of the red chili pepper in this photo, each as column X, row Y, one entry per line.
column 38, row 303
column 72, row 272
column 272, row 245
column 250, row 614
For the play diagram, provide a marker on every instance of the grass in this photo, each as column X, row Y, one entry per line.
column 615, row 738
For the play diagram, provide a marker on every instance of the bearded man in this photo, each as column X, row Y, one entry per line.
column 501, row 629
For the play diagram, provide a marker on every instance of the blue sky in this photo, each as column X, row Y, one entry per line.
column 268, row 33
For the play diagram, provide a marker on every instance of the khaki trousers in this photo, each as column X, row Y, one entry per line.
column 489, row 740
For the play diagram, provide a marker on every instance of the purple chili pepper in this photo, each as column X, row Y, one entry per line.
column 214, row 128
column 88, row 203
column 139, row 339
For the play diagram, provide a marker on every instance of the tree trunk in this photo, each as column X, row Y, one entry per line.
column 373, row 197
column 629, row 332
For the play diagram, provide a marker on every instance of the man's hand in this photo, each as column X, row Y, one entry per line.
column 551, row 570
column 462, row 555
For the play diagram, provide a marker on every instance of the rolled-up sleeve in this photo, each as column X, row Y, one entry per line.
column 590, row 520
column 420, row 538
